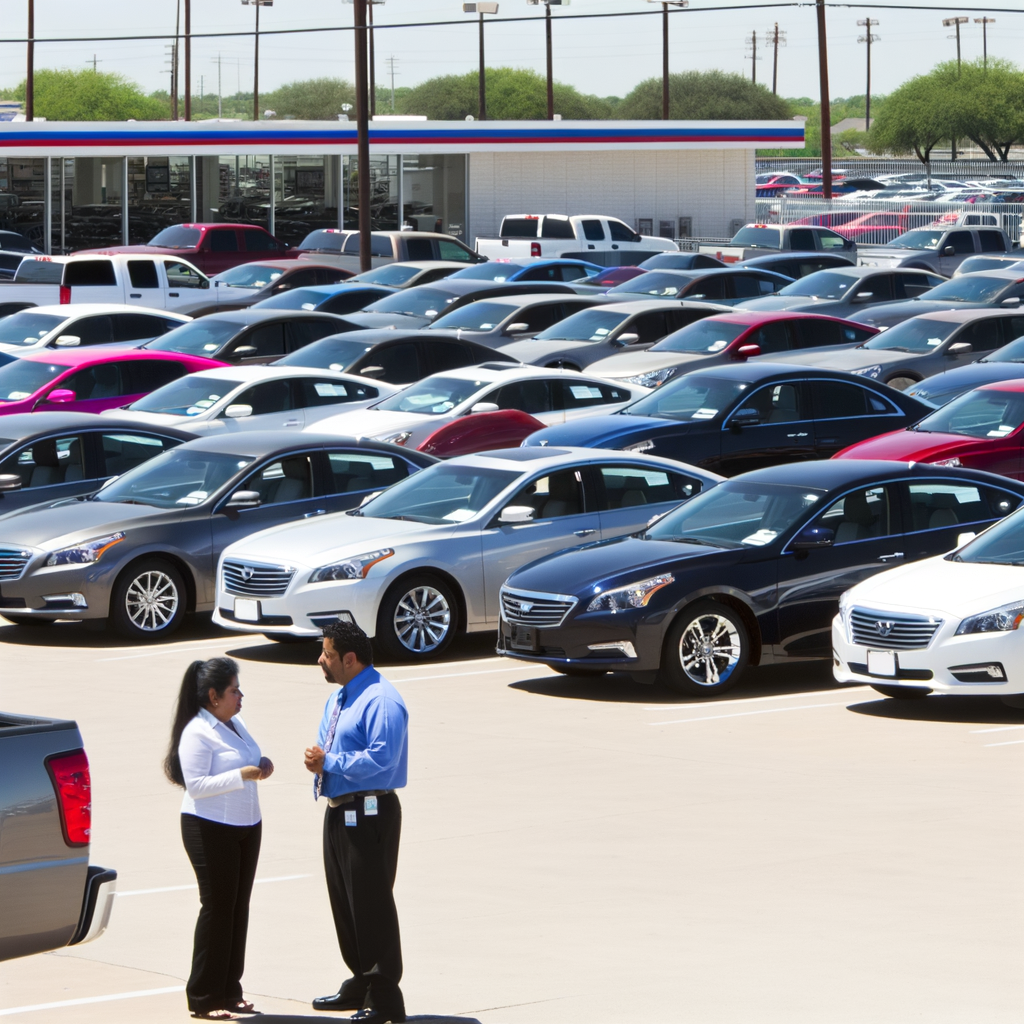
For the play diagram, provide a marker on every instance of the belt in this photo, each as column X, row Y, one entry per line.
column 348, row 798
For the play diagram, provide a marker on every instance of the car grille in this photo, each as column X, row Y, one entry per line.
column 12, row 563
column 526, row 608
column 892, row 632
column 252, row 580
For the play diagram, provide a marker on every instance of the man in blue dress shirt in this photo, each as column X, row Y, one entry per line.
column 360, row 759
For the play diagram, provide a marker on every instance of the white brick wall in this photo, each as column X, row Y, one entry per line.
column 713, row 186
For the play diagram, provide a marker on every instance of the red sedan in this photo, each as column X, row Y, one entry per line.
column 983, row 429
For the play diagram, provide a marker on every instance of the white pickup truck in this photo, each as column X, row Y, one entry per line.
column 156, row 282
column 606, row 241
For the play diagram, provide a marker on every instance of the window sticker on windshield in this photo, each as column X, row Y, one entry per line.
column 584, row 391
column 487, row 327
column 210, row 348
column 430, row 312
column 1002, row 430
column 192, row 498
column 600, row 333
column 761, row 538
column 704, row 414
column 335, row 366
column 15, row 396
column 934, row 341
column 717, row 346
column 309, row 305
column 460, row 515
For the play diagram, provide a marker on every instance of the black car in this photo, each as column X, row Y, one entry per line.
column 727, row 284
column 749, row 572
column 736, row 418
column 337, row 298
column 680, row 261
column 49, row 455
column 248, row 335
column 395, row 357
column 797, row 264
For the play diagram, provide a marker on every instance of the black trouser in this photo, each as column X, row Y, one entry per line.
column 224, row 858
column 361, row 861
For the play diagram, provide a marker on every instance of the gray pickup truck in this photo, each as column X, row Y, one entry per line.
column 50, row 896
column 939, row 248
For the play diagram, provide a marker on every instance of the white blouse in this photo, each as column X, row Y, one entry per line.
column 212, row 757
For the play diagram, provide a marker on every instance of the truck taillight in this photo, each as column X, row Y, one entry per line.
column 65, row 294
column 535, row 248
column 70, row 776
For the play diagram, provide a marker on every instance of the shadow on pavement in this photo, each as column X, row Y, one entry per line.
column 92, row 634
column 966, row 710
column 465, row 648
column 291, row 1018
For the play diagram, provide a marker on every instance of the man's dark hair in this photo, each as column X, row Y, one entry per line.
column 347, row 636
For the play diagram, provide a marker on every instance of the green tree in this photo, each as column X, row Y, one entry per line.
column 88, row 95
column 704, row 96
column 316, row 99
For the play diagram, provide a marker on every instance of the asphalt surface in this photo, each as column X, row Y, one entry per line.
column 573, row 851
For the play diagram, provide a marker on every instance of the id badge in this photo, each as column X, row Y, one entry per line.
column 369, row 805
column 350, row 817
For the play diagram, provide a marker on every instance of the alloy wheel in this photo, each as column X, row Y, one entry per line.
column 422, row 619
column 709, row 649
column 151, row 601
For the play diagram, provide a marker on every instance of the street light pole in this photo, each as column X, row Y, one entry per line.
column 362, row 132
column 174, row 62
column 826, row 105
column 956, row 23
column 256, row 57
column 188, row 60
column 547, row 32
column 867, row 24
column 481, row 8
column 984, row 23
column 665, row 4
column 30, row 58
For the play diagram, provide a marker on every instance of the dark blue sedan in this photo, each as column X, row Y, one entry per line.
column 749, row 572
column 1004, row 364
column 727, row 285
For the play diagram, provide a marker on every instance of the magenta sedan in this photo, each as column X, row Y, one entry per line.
column 90, row 379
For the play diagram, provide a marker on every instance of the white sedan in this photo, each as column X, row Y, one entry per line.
column 551, row 395
column 254, row 398
column 949, row 624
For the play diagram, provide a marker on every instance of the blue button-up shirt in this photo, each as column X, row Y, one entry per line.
column 370, row 749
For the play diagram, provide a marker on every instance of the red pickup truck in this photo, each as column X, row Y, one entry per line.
column 211, row 247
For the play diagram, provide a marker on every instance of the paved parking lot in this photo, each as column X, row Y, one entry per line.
column 573, row 851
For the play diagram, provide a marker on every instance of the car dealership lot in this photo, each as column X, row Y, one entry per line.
column 574, row 850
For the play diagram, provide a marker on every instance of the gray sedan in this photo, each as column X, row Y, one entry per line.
column 142, row 551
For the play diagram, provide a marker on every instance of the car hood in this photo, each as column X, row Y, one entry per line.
column 910, row 446
column 844, row 358
column 777, row 302
column 65, row 522
column 368, row 423
column 381, row 321
column 630, row 364
column 154, row 419
column 532, row 351
column 316, row 542
column 965, row 378
column 600, row 431
column 952, row 590
column 888, row 252
column 887, row 313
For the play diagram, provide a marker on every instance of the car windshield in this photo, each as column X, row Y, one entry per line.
column 587, row 325
column 709, row 335
column 920, row 238
column 1002, row 544
column 324, row 240
column 971, row 288
column 202, row 337
column 981, row 413
column 394, row 274
column 295, row 298
column 653, row 283
column 23, row 378
column 919, row 334
column 492, row 270
column 1012, row 353
column 177, row 237
column 418, row 301
column 692, row 397
column 248, row 275
column 440, row 494
column 758, row 238
column 334, row 353
column 433, row 396
column 823, row 284
column 476, row 316
column 737, row 515
column 188, row 396
column 174, row 479
column 27, row 328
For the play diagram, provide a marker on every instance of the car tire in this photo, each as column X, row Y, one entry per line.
column 902, row 383
column 148, row 601
column 684, row 666
column 418, row 619
column 28, row 620
column 901, row 692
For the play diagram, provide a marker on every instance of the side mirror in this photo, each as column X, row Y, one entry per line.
column 1010, row 302
column 744, row 418
column 369, row 371
column 948, row 250
column 747, row 351
column 862, row 297
column 630, row 338
column 244, row 499
column 244, row 350
column 516, row 514
column 204, row 283
column 68, row 341
column 60, row 395
column 959, row 348
column 9, row 482
column 238, row 412
column 485, row 407
column 517, row 328
column 813, row 537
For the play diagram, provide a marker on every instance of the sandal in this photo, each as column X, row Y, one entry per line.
column 215, row 1015
column 244, row 1006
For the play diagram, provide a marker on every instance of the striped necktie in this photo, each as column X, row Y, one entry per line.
column 318, row 780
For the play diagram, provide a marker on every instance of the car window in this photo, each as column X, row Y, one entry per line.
column 360, row 471
column 96, row 382
column 303, row 279
column 864, row 514
column 572, row 272
column 532, row 396
column 181, row 275
column 448, row 249
column 141, row 376
column 620, row 232
column 289, row 479
column 772, row 337
column 992, row 241
column 774, row 403
column 125, row 451
column 962, row 242
column 91, row 330
column 541, row 317
column 142, row 274
column 750, row 286
column 397, row 364
column 138, row 326
column 89, row 273
column 448, row 355
column 711, row 288
column 223, row 240
column 815, row 333
column 628, row 486
column 269, row 397
column 584, row 394
column 305, row 332
column 49, row 461
column 266, row 340
column 258, row 241
column 419, row 248
column 877, row 288
column 312, row 392
column 554, row 496
column 679, row 318
column 837, row 400
column 830, row 240
column 556, row 227
column 551, row 272
column 910, row 286
column 593, row 230
column 983, row 336
column 936, row 504
column 801, row 238
column 380, row 245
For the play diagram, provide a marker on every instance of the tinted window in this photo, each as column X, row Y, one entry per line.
column 140, row 376
column 311, row 392
column 47, row 462
column 83, row 273
column 649, row 327
column 39, row 271
column 302, row 278
column 747, row 286
column 758, row 238
column 983, row 336
column 773, row 337
column 620, row 232
column 304, row 332
column 874, row 289
column 176, row 237
column 519, row 227
column 357, row 471
column 269, row 397
column 92, row 330
column 627, row 486
column 836, row 400
column 593, row 230
column 913, row 285
column 815, row 333
column 257, row 241
column 137, row 326
column 992, row 241
column 555, row 227
column 962, row 242
column 289, row 479
column 419, row 248
column 711, row 288
column 122, row 452
column 396, row 364
column 267, row 340
column 776, row 403
column 860, row 515
column 532, row 396
column 801, row 238
column 937, row 504
column 96, row 382
column 223, row 240
column 549, row 272
column 324, row 240
column 554, row 496
column 448, row 355
column 142, row 274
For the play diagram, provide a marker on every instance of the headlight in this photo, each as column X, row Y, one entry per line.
column 948, row 462
column 636, row 595
column 354, row 568
column 653, row 379
column 400, row 438
column 869, row 371
column 998, row 620
column 83, row 554
column 845, row 604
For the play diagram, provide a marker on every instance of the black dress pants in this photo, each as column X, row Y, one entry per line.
column 224, row 858
column 360, row 861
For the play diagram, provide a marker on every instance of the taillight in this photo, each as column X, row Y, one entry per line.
column 70, row 775
column 535, row 248
column 65, row 294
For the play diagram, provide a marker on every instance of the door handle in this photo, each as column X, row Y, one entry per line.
column 318, row 512
column 801, row 434
column 584, row 533
column 135, row 295
column 830, row 440
column 172, row 295
column 890, row 558
column 291, row 423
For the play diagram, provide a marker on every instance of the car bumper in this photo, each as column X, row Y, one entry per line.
column 969, row 664
column 64, row 592
column 97, row 903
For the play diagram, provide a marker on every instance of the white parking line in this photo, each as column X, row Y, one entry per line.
column 1005, row 743
column 1001, row 728
column 141, row 994
column 185, row 888
column 169, row 650
column 744, row 714
column 758, row 700
column 453, row 675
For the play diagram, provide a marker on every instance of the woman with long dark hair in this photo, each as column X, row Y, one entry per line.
column 216, row 761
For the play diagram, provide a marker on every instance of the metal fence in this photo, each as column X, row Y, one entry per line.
column 869, row 167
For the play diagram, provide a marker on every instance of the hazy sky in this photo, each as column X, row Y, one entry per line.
column 607, row 57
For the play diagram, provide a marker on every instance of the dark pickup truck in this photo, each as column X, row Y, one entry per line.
column 49, row 893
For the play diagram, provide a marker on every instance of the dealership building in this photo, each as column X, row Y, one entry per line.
column 88, row 184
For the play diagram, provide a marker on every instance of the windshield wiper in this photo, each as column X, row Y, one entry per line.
column 895, row 348
column 691, row 540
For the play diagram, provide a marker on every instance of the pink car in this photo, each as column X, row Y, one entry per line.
column 90, row 379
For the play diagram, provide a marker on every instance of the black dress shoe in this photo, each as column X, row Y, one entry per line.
column 368, row 1016
column 339, row 1001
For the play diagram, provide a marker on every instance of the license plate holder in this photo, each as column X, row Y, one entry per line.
column 246, row 610
column 524, row 638
column 882, row 663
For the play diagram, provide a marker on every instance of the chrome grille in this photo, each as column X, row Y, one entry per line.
column 253, row 580
column 892, row 632
column 12, row 563
column 524, row 607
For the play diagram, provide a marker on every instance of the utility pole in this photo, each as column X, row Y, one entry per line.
column 202, row 83
column 220, row 91
column 984, row 23
column 752, row 46
column 547, row 33
column 30, row 59
column 665, row 4
column 392, row 61
column 93, row 62
column 480, row 7
column 867, row 24
column 373, row 60
column 826, row 104
column 778, row 39
column 174, row 64
column 956, row 23
column 188, row 60
column 363, row 132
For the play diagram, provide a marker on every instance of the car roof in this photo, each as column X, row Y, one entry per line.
column 1015, row 385
column 26, row 425
column 285, row 264
column 755, row 371
column 214, row 224
column 420, row 265
column 965, row 315
column 252, row 315
column 83, row 308
column 106, row 354
column 528, row 299
column 998, row 275
column 493, row 372
column 252, row 373
column 633, row 306
column 260, row 443
column 756, row 316
column 536, row 457
column 343, row 287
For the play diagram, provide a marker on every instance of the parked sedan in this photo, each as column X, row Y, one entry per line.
column 681, row 261
column 255, row 398
column 749, row 572
column 90, row 379
column 947, row 624
column 50, row 455
column 730, row 419
column 424, row 561
column 409, row 274
column 329, row 298
column 797, row 264
column 1006, row 363
column 995, row 261
column 728, row 286
column 527, row 268
column 249, row 283
column 504, row 321
column 728, row 337
column 142, row 551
